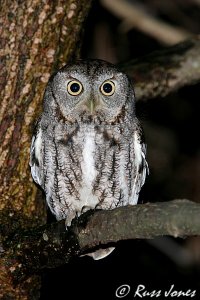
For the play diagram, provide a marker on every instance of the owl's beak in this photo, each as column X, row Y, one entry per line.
column 91, row 105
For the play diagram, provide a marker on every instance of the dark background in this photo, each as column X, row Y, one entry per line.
column 171, row 126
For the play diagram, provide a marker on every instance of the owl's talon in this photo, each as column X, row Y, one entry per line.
column 98, row 206
column 67, row 223
column 86, row 208
column 70, row 217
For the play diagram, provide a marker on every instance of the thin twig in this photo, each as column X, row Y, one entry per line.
column 136, row 16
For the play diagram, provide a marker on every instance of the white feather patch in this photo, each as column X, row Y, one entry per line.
column 38, row 146
column 88, row 166
column 138, row 151
column 138, row 161
column 89, row 172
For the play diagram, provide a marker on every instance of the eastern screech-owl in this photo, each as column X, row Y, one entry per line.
column 87, row 151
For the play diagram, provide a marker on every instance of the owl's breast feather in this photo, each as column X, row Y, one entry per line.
column 88, row 168
column 88, row 161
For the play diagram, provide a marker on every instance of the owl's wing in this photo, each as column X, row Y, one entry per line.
column 141, row 166
column 36, row 155
column 144, row 169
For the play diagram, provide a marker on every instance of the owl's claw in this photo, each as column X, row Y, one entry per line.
column 70, row 217
column 75, row 214
column 86, row 208
column 67, row 223
column 98, row 206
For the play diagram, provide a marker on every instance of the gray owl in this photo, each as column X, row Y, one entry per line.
column 88, row 150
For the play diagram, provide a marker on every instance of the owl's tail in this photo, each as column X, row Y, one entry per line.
column 100, row 253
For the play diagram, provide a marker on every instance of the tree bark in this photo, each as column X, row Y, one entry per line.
column 51, row 245
column 36, row 38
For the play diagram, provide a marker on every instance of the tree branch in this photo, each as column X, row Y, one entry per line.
column 136, row 16
column 165, row 71
column 51, row 245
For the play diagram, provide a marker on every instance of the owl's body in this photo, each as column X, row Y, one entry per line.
column 88, row 150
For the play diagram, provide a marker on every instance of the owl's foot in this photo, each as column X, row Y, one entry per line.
column 98, row 206
column 75, row 214
column 86, row 208
column 100, row 253
column 70, row 217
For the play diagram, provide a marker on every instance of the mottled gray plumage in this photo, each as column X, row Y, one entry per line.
column 88, row 150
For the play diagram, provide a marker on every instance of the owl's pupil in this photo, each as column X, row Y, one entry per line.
column 107, row 87
column 75, row 87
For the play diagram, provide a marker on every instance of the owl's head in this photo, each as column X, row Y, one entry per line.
column 89, row 91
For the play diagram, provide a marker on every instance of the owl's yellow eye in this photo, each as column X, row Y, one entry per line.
column 74, row 87
column 107, row 88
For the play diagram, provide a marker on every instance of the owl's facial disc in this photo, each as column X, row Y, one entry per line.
column 91, row 91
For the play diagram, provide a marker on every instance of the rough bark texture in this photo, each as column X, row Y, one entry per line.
column 51, row 245
column 36, row 37
column 165, row 71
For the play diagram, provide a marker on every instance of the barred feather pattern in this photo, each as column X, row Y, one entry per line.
column 88, row 166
